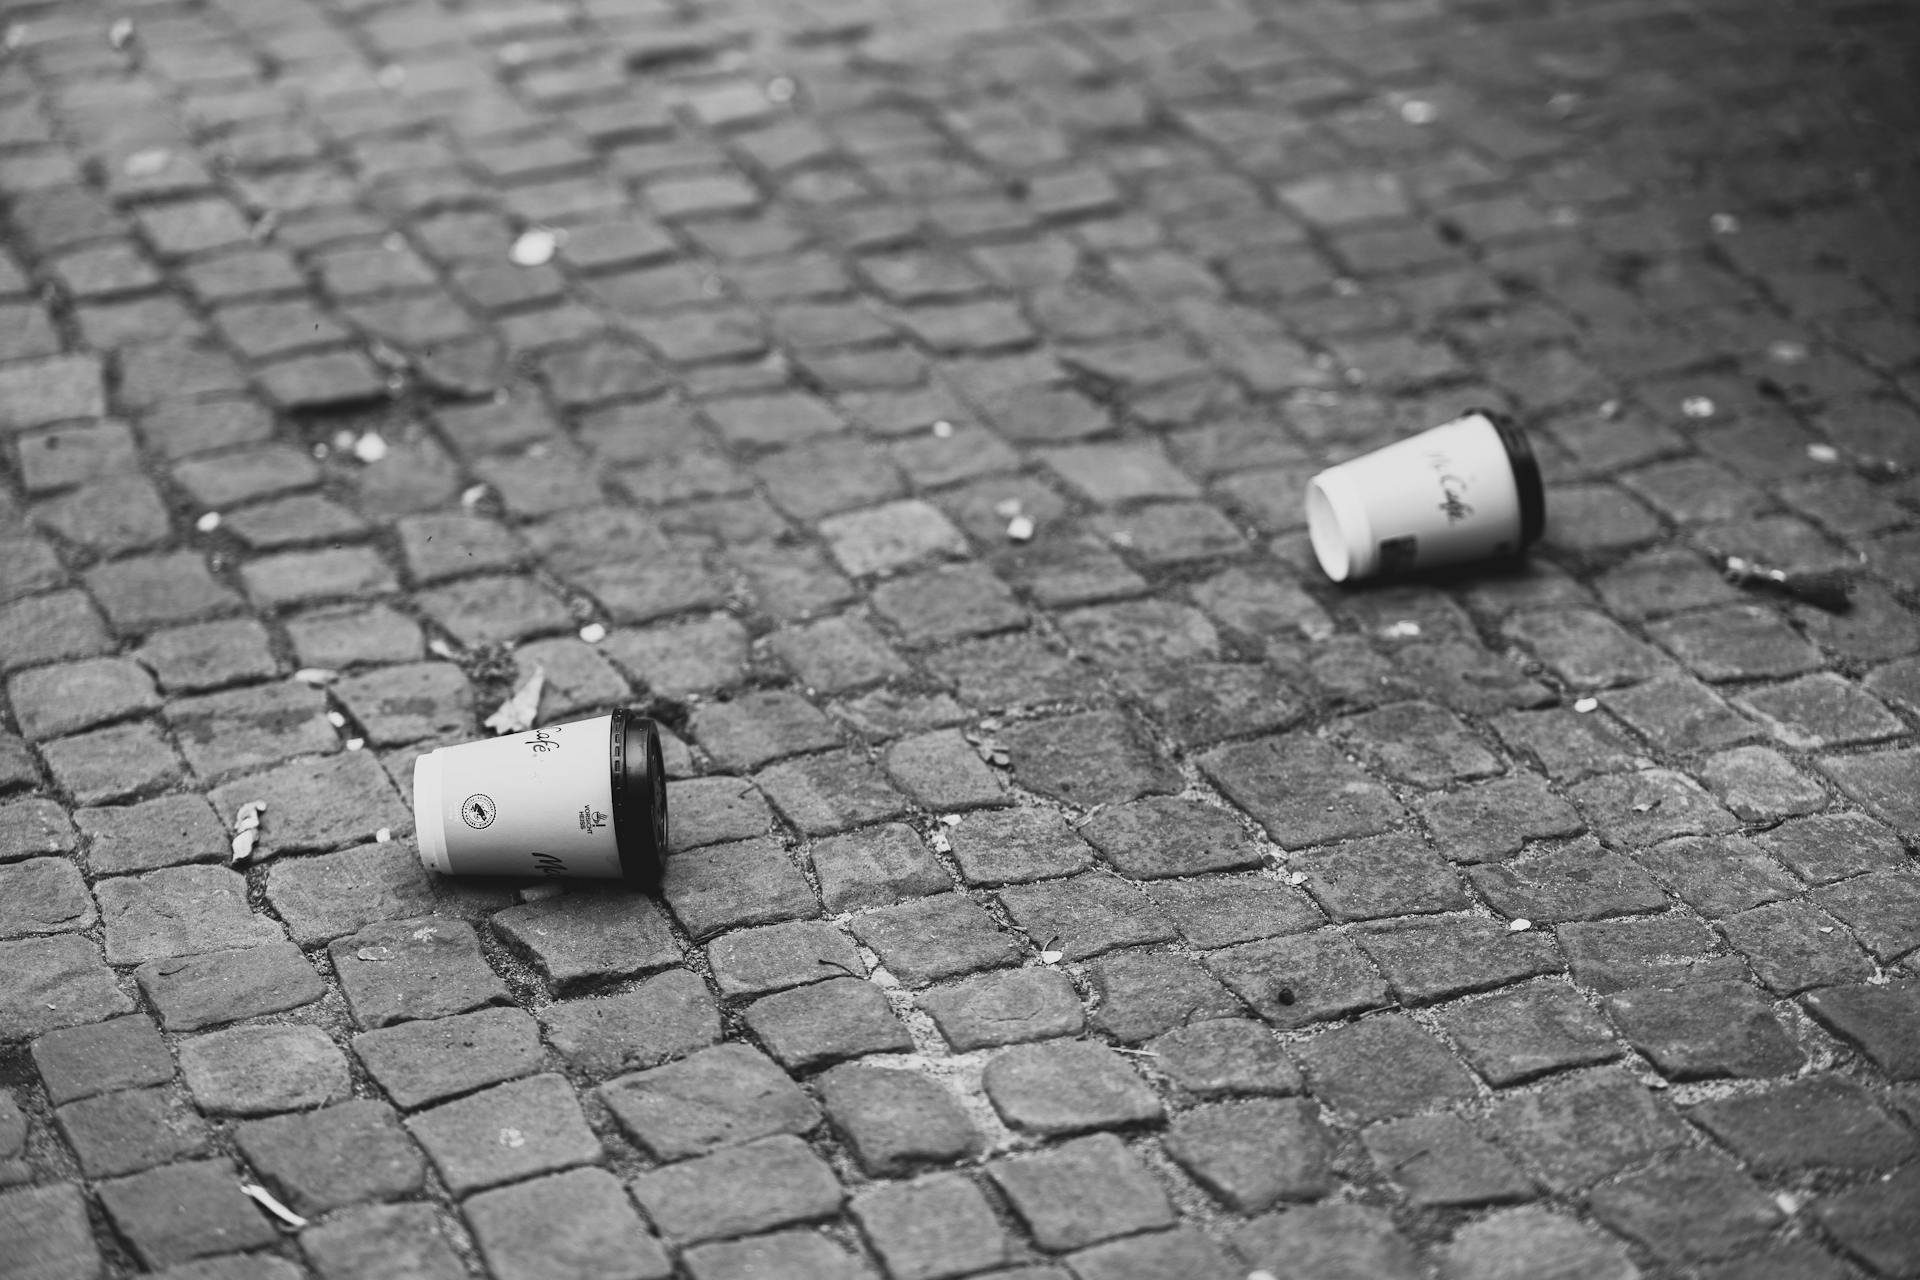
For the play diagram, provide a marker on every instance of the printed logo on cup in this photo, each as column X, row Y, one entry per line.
column 479, row 811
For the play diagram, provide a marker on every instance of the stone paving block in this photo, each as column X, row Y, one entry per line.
column 1183, row 1251
column 1218, row 911
column 1736, row 642
column 1382, row 1067
column 114, row 763
column 426, row 1061
column 1680, row 716
column 217, row 987
column 1704, row 1030
column 1328, row 1240
column 1011, row 670
column 574, row 1223
column 42, row 895
column 1095, row 758
column 826, row 1022
column 1760, row 785
column 1284, row 783
column 934, row 938
column 179, row 911
column 729, row 886
column 54, row 982
column 1495, row 820
column 1004, row 1008
column 1163, row 836
column 51, row 627
column 803, row 1255
column 879, row 866
column 827, row 794
column 1530, row 1241
column 1821, row 711
column 319, row 804
column 1439, row 1161
column 753, row 962
column 1879, row 907
column 586, row 936
column 1433, row 960
column 1718, row 875
column 1656, row 951
column 54, row 389
column 330, row 895
column 504, row 1133
column 44, row 1232
column 948, row 602
column 1069, row 1086
column 1383, row 876
column 1293, row 981
column 1586, row 1127
column 771, row 1182
column 1793, row 946
column 1421, row 744
column 52, row 701
column 1225, row 1057
column 1253, row 1155
column 1813, row 1122
column 1141, row 994
column 260, row 1070
column 1015, row 845
column 1517, row 1035
column 33, row 827
column 121, row 1053
column 426, row 967
column 1876, row 1222
column 1084, row 916
column 125, row 1132
column 715, row 811
column 1568, row 745
column 1576, row 882
column 383, row 1242
column 896, row 1120
column 206, row 655
column 423, row 701
column 931, row 1229
column 1692, row 1207
column 184, row 1211
column 759, row 728
column 718, row 1097
column 331, row 1157
column 942, row 772
column 1082, row 1192
column 1885, row 782
column 1586, row 649
column 1884, row 1021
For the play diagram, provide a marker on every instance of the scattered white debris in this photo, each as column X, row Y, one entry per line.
column 540, row 892
column 535, row 248
column 1787, row 351
column 337, row 720
column 1610, row 409
column 943, row 429
column 1646, row 806
column 383, row 836
column 1405, row 629
column 355, row 744
column 950, row 819
column 781, row 89
column 371, row 447
column 1519, row 925
column 1020, row 529
column 441, row 649
column 593, row 633
column 1697, row 407
column 1120, row 538
column 1879, row 978
column 1414, row 111
column 246, row 829
column 1296, row 878
column 374, row 955
column 940, row 842
column 1788, row 1202
column 316, row 676
column 512, row 1138
column 1823, row 453
column 1584, row 705
column 1051, row 954
column 144, row 164
column 1826, row 928
column 264, row 1198
column 208, row 522
column 470, row 496
column 391, row 76
column 517, row 713
column 120, row 32
column 1261, row 1275
column 1724, row 224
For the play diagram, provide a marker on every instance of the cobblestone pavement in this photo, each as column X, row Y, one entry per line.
column 1120, row 903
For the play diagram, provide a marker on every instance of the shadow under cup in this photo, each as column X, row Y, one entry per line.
column 584, row 799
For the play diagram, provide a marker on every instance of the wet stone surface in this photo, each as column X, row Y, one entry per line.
column 912, row 406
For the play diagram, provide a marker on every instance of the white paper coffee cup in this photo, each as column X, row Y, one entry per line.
column 585, row 799
column 1465, row 490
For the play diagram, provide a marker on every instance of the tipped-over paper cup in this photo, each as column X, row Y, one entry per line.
column 1465, row 490
column 587, row 799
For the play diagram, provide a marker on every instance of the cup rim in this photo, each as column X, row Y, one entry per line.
column 639, row 789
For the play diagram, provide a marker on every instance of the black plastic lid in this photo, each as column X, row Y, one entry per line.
column 639, row 799
column 1526, row 475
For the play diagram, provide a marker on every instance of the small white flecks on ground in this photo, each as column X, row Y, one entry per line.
column 1415, row 111
column 370, row 447
column 1697, row 407
column 593, row 633
column 208, row 522
column 943, row 429
column 246, row 829
column 1584, row 705
column 1020, row 529
column 383, row 836
column 1823, row 453
column 264, row 1198
column 535, row 247
column 1520, row 925
column 144, row 164
column 517, row 713
column 1403, row 630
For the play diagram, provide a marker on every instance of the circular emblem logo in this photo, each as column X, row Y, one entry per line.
column 479, row 811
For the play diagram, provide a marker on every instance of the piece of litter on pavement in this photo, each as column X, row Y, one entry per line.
column 535, row 248
column 1697, row 407
column 246, row 829
column 243, row 844
column 1050, row 954
column 940, row 842
column 1261, row 1275
column 1007, row 508
column 1020, row 529
column 383, row 836
column 1724, row 224
column 1787, row 351
column 1520, row 925
column 593, row 633
column 316, row 676
column 1414, row 111
column 337, row 720
column 781, row 89
column 370, row 447
column 144, row 164
column 1296, row 877
column 1823, row 453
column 374, row 955
column 120, row 32
column 1646, row 806
column 512, row 1138
column 943, row 429
column 518, row 712
column 950, row 819
column 355, row 744
column 1400, row 630
column 441, row 649
column 264, row 1198
column 208, row 522
column 472, row 494
column 1584, row 705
